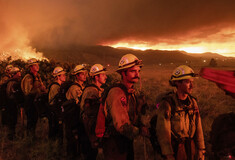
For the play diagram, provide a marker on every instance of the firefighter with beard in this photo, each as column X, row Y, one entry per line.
column 89, row 108
column 6, row 76
column 71, row 120
column 179, row 128
column 55, row 125
column 32, row 86
column 120, row 108
column 14, row 97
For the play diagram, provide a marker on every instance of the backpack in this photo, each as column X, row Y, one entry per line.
column 65, row 109
column 102, row 122
column 3, row 95
column 18, row 94
column 42, row 104
column 171, row 100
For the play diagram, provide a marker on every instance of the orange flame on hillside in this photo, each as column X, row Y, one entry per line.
column 21, row 53
column 223, row 49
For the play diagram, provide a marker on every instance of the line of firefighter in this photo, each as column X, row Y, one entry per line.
column 108, row 121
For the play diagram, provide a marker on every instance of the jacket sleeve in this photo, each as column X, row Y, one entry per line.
column 117, row 101
column 163, row 128
column 28, row 85
column 53, row 91
column 74, row 92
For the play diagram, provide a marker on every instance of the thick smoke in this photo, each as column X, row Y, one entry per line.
column 64, row 23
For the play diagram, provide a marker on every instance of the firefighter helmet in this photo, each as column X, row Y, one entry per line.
column 182, row 72
column 32, row 61
column 9, row 67
column 14, row 70
column 58, row 71
column 128, row 61
column 78, row 69
column 97, row 69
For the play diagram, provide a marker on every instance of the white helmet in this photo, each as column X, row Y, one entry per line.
column 14, row 70
column 78, row 69
column 9, row 67
column 97, row 69
column 58, row 71
column 182, row 72
column 32, row 61
column 128, row 61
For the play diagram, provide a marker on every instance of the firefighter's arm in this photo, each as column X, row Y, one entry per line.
column 199, row 137
column 119, row 113
column 28, row 86
column 53, row 91
column 163, row 128
column 74, row 92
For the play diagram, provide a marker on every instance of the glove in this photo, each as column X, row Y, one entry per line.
column 100, row 154
column 145, row 131
column 201, row 155
column 170, row 157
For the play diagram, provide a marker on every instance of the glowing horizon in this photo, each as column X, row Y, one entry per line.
column 221, row 49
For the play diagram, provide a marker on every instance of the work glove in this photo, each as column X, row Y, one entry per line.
column 100, row 154
column 170, row 157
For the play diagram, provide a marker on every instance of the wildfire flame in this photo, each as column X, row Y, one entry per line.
column 23, row 54
column 199, row 48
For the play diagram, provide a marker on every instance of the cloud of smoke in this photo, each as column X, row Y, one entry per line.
column 64, row 23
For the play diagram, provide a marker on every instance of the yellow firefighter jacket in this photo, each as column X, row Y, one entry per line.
column 90, row 92
column 179, row 121
column 31, row 85
column 121, row 107
column 54, row 89
column 75, row 92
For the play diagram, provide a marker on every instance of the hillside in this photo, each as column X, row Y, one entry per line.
column 109, row 55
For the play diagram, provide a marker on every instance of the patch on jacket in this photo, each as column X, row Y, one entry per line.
column 123, row 101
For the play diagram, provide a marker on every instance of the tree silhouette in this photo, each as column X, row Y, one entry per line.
column 213, row 63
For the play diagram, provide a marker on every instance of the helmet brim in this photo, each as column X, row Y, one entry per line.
column 128, row 66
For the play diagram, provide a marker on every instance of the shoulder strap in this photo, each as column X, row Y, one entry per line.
column 92, row 85
column 120, row 85
column 49, row 88
column 171, row 99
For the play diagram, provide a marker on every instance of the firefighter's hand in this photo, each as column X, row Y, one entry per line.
column 43, row 88
column 201, row 155
column 145, row 131
column 100, row 155
column 170, row 157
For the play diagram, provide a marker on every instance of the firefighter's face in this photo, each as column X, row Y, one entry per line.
column 132, row 74
column 102, row 78
column 81, row 76
column 17, row 75
column 185, row 86
column 34, row 67
column 62, row 77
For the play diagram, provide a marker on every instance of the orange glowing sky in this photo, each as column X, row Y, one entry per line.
column 195, row 26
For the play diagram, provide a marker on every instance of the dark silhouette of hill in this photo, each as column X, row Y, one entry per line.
column 109, row 55
column 205, row 55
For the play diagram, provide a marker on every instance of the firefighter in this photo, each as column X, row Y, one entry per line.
column 6, row 76
column 89, row 108
column 55, row 123
column 120, row 108
column 179, row 128
column 75, row 91
column 59, row 75
column 14, row 97
column 32, row 86
column 71, row 119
